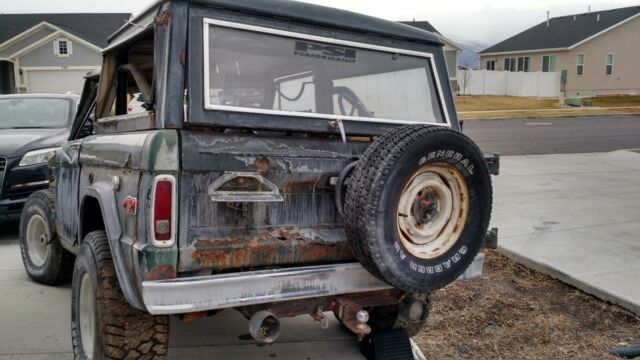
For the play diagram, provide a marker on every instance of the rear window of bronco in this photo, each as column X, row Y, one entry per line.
column 262, row 70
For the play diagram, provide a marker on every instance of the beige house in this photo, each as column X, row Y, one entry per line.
column 598, row 52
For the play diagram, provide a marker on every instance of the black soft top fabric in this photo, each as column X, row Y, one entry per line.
column 324, row 16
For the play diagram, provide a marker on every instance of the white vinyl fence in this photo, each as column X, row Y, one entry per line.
column 523, row 84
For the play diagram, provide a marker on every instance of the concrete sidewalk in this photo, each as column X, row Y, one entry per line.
column 576, row 218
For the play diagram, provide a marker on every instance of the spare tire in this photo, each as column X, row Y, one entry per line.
column 418, row 206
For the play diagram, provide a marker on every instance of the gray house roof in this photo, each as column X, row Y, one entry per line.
column 94, row 28
column 564, row 31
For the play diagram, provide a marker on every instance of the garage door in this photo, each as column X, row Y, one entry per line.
column 55, row 81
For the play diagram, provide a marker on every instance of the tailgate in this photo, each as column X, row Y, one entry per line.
column 291, row 220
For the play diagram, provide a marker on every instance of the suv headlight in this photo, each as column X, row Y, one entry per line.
column 38, row 156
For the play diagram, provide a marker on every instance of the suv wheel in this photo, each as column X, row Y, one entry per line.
column 103, row 324
column 43, row 257
column 418, row 206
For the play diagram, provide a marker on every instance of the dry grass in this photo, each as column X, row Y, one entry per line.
column 485, row 107
column 616, row 101
column 490, row 103
column 516, row 313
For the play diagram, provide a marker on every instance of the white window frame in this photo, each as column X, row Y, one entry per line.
column 578, row 65
column 207, row 23
column 606, row 63
column 56, row 47
column 526, row 63
column 555, row 63
column 493, row 61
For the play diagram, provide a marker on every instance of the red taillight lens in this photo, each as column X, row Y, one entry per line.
column 162, row 210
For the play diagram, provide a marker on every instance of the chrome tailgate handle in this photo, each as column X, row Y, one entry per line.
column 222, row 190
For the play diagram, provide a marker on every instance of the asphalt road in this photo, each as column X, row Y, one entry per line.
column 538, row 136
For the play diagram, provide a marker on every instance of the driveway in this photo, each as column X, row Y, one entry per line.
column 575, row 217
column 35, row 324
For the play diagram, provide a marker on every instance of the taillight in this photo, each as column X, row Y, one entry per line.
column 163, row 215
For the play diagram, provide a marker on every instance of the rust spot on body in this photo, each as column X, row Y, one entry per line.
column 263, row 165
column 164, row 18
column 280, row 247
column 299, row 185
column 129, row 163
column 161, row 272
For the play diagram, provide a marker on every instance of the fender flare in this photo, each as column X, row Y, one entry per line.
column 103, row 192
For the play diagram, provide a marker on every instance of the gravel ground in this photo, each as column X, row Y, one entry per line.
column 513, row 312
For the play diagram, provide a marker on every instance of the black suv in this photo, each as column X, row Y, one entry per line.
column 32, row 127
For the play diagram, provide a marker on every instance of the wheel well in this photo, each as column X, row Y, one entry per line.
column 90, row 217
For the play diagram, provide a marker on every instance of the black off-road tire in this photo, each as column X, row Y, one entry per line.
column 371, row 205
column 121, row 331
column 58, row 264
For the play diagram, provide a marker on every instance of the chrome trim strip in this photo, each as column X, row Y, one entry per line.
column 216, row 195
column 186, row 295
column 260, row 29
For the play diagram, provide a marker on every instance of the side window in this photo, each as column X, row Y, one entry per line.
column 580, row 65
column 125, row 80
column 62, row 47
column 549, row 63
column 609, row 64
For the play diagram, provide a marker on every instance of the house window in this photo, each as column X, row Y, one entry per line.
column 491, row 65
column 511, row 64
column 62, row 47
column 580, row 65
column 549, row 63
column 609, row 64
column 523, row 64
column 516, row 64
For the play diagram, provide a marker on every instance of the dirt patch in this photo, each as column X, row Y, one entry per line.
column 513, row 312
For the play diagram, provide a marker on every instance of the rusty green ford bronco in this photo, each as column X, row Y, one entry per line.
column 289, row 159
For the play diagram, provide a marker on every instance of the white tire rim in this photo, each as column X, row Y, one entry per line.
column 432, row 210
column 38, row 237
column 87, row 315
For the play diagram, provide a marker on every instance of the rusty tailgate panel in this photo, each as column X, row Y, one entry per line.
column 303, row 229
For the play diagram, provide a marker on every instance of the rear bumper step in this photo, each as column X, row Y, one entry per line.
column 185, row 295
column 256, row 287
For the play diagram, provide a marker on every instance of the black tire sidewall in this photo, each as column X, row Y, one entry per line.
column 85, row 264
column 48, row 272
column 408, row 271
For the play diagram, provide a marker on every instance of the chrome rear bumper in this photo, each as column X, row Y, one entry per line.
column 185, row 295
column 194, row 294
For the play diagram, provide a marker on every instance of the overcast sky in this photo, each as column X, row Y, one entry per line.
column 486, row 21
